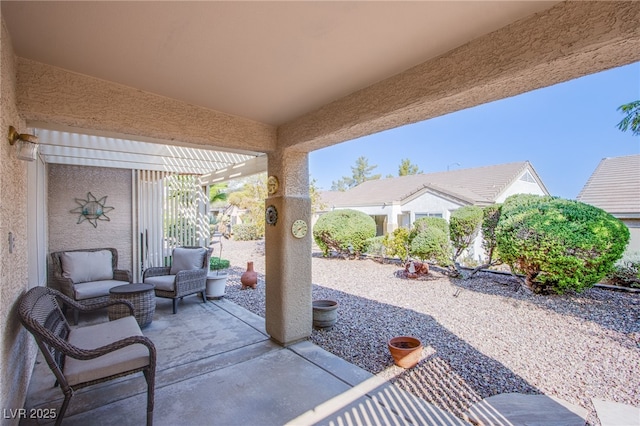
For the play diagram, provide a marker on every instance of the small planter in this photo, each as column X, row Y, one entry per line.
column 325, row 313
column 216, row 285
column 405, row 350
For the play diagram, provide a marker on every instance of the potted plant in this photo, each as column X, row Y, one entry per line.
column 217, row 276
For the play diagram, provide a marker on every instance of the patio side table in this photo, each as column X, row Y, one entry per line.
column 143, row 298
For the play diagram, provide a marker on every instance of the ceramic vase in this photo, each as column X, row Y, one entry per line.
column 249, row 278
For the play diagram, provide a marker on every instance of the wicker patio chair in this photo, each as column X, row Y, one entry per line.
column 76, row 290
column 186, row 275
column 84, row 356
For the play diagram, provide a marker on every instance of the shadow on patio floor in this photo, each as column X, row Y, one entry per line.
column 216, row 365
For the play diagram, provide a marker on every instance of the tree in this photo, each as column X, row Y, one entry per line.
column 632, row 119
column 361, row 172
column 464, row 226
column 217, row 192
column 406, row 168
column 558, row 244
column 251, row 197
column 314, row 195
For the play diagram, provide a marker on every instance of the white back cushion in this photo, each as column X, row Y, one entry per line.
column 83, row 266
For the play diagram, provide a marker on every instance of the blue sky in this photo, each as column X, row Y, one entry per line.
column 563, row 130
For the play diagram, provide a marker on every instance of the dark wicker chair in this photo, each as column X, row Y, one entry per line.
column 66, row 286
column 181, row 283
column 75, row 365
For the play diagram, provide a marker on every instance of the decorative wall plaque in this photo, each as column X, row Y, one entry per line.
column 92, row 209
column 271, row 215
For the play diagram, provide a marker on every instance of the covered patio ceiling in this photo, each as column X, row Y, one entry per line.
column 266, row 61
column 264, row 76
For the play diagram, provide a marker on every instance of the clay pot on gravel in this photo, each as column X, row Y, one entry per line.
column 249, row 278
column 405, row 350
column 325, row 313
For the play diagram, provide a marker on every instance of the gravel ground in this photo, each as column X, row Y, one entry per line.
column 481, row 336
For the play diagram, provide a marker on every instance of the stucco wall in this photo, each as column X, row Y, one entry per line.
column 18, row 350
column 66, row 183
column 634, row 241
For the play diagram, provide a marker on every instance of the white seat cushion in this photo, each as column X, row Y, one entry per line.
column 95, row 288
column 95, row 336
column 162, row 282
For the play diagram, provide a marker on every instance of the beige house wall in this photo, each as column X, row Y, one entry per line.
column 18, row 350
column 66, row 183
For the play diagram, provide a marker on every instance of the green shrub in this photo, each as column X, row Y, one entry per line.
column 626, row 272
column 215, row 263
column 558, row 244
column 375, row 247
column 345, row 231
column 464, row 225
column 431, row 244
column 490, row 218
column 429, row 222
column 246, row 232
column 397, row 244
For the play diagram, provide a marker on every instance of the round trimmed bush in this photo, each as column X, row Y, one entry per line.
column 431, row 244
column 345, row 231
column 558, row 244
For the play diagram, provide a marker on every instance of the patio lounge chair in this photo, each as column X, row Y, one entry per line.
column 84, row 356
column 186, row 275
column 87, row 275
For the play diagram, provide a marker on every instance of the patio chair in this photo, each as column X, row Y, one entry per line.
column 84, row 356
column 86, row 275
column 186, row 275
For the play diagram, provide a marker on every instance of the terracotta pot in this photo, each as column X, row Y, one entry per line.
column 325, row 313
column 405, row 350
column 249, row 278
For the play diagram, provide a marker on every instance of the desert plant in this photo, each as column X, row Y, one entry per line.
column 429, row 222
column 397, row 244
column 464, row 225
column 376, row 247
column 558, row 244
column 490, row 218
column 431, row 244
column 626, row 272
column 247, row 232
column 345, row 231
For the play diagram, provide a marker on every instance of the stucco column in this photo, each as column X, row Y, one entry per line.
column 288, row 259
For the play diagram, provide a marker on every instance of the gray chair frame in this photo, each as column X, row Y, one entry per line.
column 65, row 285
column 41, row 315
column 187, row 282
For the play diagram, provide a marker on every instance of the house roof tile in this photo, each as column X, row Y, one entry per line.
column 614, row 186
column 479, row 185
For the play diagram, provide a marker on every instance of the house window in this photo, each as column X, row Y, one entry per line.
column 421, row 215
column 526, row 177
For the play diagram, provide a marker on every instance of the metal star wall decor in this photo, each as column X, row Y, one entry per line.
column 92, row 209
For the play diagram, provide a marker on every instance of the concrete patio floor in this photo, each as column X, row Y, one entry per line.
column 217, row 366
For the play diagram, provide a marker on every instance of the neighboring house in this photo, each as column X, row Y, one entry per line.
column 399, row 201
column 615, row 187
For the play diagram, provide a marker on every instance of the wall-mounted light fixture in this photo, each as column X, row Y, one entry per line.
column 27, row 145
